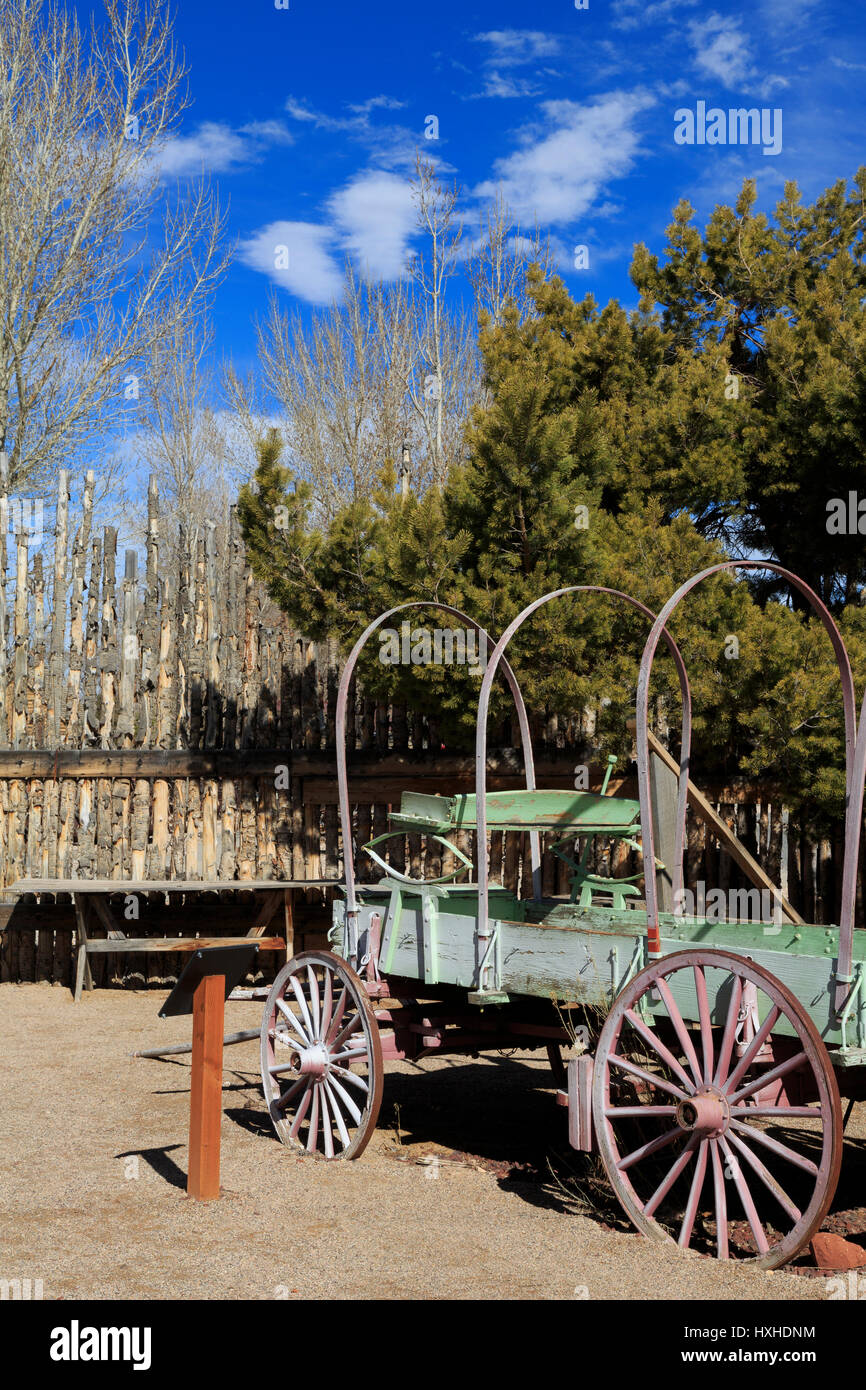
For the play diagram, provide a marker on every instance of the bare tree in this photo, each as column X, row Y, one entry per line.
column 84, row 301
column 341, row 386
column 187, row 446
column 443, row 369
column 500, row 258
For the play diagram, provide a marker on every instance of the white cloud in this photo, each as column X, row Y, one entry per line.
column 559, row 173
column 375, row 217
column 514, row 47
column 721, row 50
column 371, row 219
column 314, row 272
column 218, row 148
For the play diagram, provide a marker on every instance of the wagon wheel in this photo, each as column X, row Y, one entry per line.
column 321, row 1057
column 723, row 1135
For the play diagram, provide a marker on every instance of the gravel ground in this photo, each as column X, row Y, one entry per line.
column 93, row 1162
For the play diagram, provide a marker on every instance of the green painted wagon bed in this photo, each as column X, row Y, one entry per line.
column 704, row 1057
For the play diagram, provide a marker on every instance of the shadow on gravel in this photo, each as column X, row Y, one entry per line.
column 162, row 1165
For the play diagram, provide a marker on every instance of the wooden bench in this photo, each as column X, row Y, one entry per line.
column 92, row 908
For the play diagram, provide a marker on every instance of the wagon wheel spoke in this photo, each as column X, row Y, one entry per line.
column 775, row 1146
column 325, row 1097
column 354, row 1054
column 292, row 1018
column 651, row 1147
column 329, row 1087
column 332, row 1084
column 753, row 1048
column 338, row 1015
column 767, row 1078
column 647, row 1077
column 768, row 1112
column 288, row 1095
column 658, row 1046
column 721, row 1201
column 722, row 1127
column 691, row 1211
column 351, row 1027
column 745, row 1197
column 302, row 1109
column 328, row 1003
column 766, row 1177
column 315, row 1011
column 705, row 1022
column 730, row 1032
column 305, row 1012
column 668, row 1181
column 680, row 1029
column 327, row 1123
column 313, row 1131
column 643, row 1112
column 349, row 1076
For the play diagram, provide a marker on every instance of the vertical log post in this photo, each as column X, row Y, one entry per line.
column 205, row 1109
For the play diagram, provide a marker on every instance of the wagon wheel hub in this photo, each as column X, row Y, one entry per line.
column 706, row 1113
column 314, row 1061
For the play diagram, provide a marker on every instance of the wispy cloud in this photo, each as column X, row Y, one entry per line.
column 507, row 49
column 563, row 166
column 517, row 47
column 633, row 14
column 785, row 14
column 219, row 148
column 390, row 146
column 848, row 67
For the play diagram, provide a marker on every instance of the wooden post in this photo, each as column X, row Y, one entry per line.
column 663, row 793
column 205, row 1109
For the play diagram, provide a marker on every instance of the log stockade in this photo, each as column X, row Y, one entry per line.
column 161, row 719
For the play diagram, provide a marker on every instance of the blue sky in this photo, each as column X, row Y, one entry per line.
column 308, row 119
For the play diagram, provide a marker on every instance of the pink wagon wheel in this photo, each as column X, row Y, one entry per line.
column 321, row 1057
column 716, row 1109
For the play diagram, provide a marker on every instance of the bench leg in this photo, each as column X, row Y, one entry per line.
column 81, row 967
column 83, row 975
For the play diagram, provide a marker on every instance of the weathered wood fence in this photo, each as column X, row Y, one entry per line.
column 164, row 720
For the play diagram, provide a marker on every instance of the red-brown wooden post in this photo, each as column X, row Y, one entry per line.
column 205, row 1111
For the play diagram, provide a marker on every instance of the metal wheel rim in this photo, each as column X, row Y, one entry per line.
column 708, row 1150
column 324, row 1096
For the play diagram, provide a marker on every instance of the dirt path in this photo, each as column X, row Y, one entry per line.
column 93, row 1170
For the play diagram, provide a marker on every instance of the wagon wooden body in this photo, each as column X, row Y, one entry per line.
column 705, row 1059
